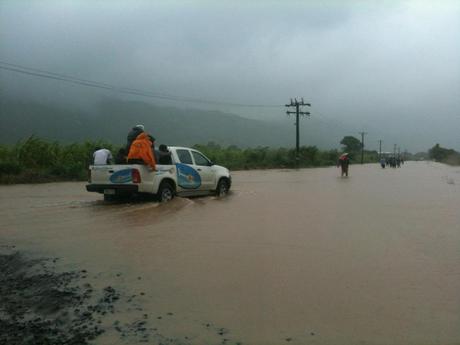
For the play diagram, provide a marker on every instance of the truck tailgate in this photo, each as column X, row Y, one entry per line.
column 120, row 177
column 110, row 174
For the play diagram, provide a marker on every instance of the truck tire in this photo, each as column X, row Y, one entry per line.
column 165, row 192
column 222, row 187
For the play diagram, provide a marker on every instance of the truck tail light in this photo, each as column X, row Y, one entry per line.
column 136, row 176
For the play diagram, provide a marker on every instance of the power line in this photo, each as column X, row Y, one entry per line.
column 138, row 92
column 36, row 74
column 328, row 121
column 59, row 75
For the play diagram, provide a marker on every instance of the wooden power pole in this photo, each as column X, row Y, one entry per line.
column 297, row 104
column 362, row 146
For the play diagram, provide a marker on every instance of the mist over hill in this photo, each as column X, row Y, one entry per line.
column 386, row 68
column 111, row 120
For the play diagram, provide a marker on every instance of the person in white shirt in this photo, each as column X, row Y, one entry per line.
column 102, row 156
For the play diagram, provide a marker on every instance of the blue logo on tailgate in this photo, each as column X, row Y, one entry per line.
column 187, row 177
column 121, row 176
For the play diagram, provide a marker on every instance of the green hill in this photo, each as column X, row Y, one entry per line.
column 111, row 121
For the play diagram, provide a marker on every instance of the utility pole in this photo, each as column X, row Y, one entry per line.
column 362, row 146
column 380, row 149
column 297, row 104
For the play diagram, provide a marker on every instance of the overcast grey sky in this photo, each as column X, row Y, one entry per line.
column 391, row 68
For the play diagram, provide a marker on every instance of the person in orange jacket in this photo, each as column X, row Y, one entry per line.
column 141, row 151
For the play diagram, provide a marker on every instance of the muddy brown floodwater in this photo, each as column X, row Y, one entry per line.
column 290, row 257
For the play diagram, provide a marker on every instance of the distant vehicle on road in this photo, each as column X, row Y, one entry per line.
column 190, row 174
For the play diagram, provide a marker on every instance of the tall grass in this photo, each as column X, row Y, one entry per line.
column 38, row 160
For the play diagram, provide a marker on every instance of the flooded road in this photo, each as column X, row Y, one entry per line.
column 290, row 257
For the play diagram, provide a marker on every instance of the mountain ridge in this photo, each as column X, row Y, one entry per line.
column 111, row 120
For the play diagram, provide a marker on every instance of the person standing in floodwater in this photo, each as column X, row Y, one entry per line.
column 344, row 162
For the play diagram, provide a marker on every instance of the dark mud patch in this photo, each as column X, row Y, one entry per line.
column 41, row 306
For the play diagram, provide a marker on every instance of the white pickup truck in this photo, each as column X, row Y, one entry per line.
column 189, row 173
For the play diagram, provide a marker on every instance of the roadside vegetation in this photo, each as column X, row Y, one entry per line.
column 443, row 155
column 236, row 158
column 37, row 160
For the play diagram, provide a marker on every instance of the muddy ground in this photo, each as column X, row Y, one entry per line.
column 41, row 306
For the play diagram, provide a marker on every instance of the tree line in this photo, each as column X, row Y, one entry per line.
column 443, row 155
column 236, row 158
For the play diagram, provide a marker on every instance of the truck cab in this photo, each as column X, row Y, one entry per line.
column 190, row 173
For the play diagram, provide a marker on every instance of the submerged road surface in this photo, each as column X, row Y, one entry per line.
column 290, row 257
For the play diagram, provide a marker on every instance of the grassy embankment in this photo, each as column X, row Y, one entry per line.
column 36, row 160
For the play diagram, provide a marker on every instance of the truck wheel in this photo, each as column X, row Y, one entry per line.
column 222, row 187
column 165, row 192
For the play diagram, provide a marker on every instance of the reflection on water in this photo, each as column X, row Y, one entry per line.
column 289, row 257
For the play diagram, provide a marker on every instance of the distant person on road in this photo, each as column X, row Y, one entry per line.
column 132, row 135
column 343, row 163
column 393, row 162
column 141, row 151
column 382, row 163
column 102, row 156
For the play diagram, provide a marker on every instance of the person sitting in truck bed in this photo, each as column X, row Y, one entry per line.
column 120, row 158
column 141, row 151
column 102, row 156
column 163, row 155
column 132, row 135
column 152, row 140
